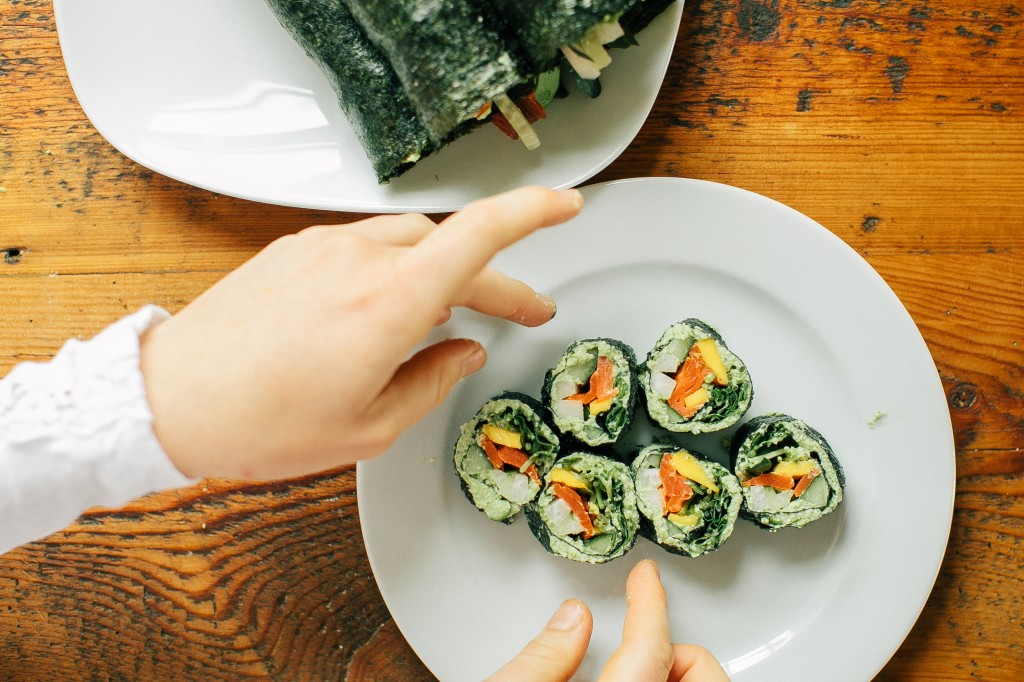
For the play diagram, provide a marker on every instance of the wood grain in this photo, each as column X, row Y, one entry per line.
column 897, row 124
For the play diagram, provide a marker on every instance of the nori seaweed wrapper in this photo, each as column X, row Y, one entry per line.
column 450, row 59
column 501, row 493
column 541, row 28
column 368, row 89
column 591, row 421
column 724, row 402
column 785, row 450
column 706, row 517
column 609, row 497
column 642, row 13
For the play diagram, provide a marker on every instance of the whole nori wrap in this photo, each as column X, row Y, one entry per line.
column 789, row 474
column 541, row 28
column 706, row 395
column 577, row 400
column 451, row 60
column 369, row 92
column 517, row 420
column 692, row 516
column 604, row 494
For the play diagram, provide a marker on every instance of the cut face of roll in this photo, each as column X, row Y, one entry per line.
column 502, row 454
column 587, row 509
column 688, row 504
column 787, row 470
column 591, row 392
column 692, row 382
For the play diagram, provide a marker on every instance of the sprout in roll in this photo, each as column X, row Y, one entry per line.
column 502, row 454
column 692, row 382
column 587, row 509
column 688, row 504
column 787, row 470
column 591, row 391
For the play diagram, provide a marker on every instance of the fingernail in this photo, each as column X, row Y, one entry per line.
column 548, row 302
column 652, row 566
column 574, row 196
column 474, row 361
column 567, row 617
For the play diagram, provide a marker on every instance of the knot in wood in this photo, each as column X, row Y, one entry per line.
column 963, row 396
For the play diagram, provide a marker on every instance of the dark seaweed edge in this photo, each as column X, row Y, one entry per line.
column 641, row 14
column 635, row 388
column 755, row 423
column 643, row 377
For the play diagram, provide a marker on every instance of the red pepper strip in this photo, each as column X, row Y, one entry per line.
column 531, row 108
column 499, row 120
column 500, row 455
column 689, row 378
column 675, row 489
column 576, row 504
column 602, row 383
column 805, row 481
column 776, row 481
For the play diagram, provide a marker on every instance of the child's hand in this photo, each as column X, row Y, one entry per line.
column 646, row 654
column 299, row 361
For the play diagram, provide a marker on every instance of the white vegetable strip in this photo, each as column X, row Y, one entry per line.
column 594, row 51
column 514, row 487
column 563, row 387
column 608, row 32
column 568, row 409
column 677, row 348
column 762, row 498
column 561, row 519
column 580, row 64
column 662, row 385
column 516, row 119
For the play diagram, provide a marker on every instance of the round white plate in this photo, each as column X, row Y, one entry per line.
column 216, row 94
column 825, row 340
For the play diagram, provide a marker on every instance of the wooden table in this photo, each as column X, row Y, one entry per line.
column 897, row 124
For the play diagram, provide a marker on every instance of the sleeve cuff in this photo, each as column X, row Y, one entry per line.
column 78, row 433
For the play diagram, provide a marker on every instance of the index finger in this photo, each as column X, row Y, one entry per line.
column 645, row 654
column 467, row 240
column 646, row 607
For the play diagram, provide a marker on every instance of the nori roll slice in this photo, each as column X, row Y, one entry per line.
column 452, row 62
column 587, row 509
column 502, row 454
column 789, row 474
column 688, row 504
column 591, row 392
column 368, row 90
column 692, row 382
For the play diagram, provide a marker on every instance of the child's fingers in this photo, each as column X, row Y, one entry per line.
column 466, row 241
column 646, row 608
column 420, row 384
column 494, row 293
column 555, row 654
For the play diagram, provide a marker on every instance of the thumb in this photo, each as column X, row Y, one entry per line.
column 423, row 381
column 556, row 653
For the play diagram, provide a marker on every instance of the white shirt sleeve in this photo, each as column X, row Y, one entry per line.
column 76, row 432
